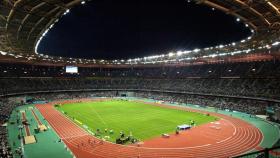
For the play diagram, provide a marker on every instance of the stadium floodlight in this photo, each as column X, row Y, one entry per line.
column 51, row 26
column 187, row 52
column 196, row 50
column 83, row 2
column 221, row 46
column 246, row 25
column 179, row 53
column 170, row 54
column 3, row 53
column 66, row 12
column 223, row 54
column 276, row 43
column 233, row 43
column 213, row 55
column 238, row 19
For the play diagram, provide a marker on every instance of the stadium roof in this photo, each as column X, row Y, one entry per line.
column 24, row 22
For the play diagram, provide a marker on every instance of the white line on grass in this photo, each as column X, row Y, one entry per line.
column 97, row 114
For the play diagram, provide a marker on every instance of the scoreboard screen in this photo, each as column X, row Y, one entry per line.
column 71, row 69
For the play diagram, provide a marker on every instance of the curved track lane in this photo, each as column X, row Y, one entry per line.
column 235, row 137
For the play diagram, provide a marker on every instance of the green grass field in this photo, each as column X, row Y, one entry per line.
column 142, row 120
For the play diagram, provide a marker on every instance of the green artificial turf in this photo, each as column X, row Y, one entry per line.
column 142, row 120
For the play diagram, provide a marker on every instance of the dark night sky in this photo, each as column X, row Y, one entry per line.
column 115, row 29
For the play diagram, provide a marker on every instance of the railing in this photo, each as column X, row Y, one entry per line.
column 265, row 153
column 141, row 90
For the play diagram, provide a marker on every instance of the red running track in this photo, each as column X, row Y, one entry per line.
column 228, row 137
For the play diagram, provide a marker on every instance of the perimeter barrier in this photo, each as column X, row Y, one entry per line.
column 273, row 152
